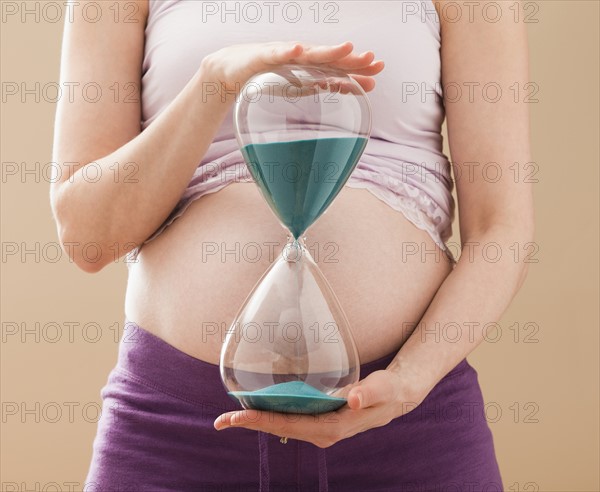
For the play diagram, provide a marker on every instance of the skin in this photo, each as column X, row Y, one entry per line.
column 164, row 288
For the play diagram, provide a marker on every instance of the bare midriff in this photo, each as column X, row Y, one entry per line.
column 189, row 282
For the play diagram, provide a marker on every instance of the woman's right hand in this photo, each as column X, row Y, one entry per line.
column 231, row 67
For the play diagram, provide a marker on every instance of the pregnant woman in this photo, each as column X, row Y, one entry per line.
column 174, row 200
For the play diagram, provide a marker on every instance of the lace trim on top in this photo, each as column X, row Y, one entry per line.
column 415, row 204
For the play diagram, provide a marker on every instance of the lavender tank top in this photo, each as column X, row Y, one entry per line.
column 403, row 163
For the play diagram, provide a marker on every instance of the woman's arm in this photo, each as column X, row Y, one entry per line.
column 495, row 214
column 95, row 198
column 141, row 175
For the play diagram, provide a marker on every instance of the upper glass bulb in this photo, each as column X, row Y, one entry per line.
column 301, row 130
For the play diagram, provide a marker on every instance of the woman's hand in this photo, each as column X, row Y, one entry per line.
column 233, row 66
column 372, row 402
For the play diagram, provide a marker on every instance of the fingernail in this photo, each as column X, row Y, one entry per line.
column 360, row 398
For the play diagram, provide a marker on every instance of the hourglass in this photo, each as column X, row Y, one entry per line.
column 301, row 130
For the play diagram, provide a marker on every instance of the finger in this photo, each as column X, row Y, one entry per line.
column 295, row 426
column 373, row 69
column 376, row 389
column 326, row 54
column 367, row 83
column 282, row 54
column 354, row 61
column 222, row 421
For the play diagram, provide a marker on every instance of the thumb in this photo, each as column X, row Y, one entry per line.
column 377, row 388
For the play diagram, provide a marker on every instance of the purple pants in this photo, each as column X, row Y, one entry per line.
column 156, row 434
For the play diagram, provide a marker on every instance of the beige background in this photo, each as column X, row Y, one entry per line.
column 547, row 392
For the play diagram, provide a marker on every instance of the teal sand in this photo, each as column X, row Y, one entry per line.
column 290, row 397
column 300, row 179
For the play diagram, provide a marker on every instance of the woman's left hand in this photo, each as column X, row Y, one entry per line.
column 371, row 402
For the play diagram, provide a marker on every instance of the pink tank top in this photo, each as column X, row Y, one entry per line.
column 403, row 163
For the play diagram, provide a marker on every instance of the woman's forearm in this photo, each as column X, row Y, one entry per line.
column 490, row 271
column 133, row 189
column 115, row 214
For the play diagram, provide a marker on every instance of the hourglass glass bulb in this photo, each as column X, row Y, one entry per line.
column 301, row 131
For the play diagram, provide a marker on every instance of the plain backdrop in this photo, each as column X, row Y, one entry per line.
column 540, row 377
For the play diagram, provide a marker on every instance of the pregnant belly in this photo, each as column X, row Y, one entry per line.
column 191, row 280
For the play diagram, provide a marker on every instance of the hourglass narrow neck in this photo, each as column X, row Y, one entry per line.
column 295, row 249
column 300, row 240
